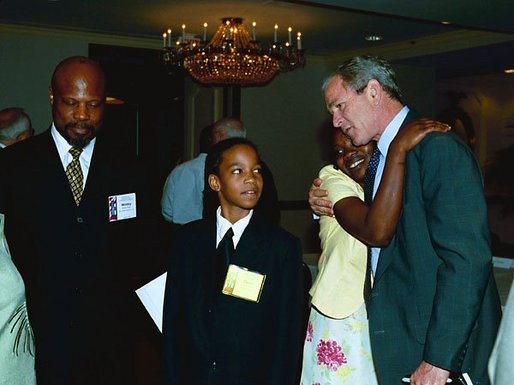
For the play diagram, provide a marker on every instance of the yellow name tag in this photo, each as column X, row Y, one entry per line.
column 243, row 283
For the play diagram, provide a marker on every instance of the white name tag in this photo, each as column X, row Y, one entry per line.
column 122, row 207
column 243, row 283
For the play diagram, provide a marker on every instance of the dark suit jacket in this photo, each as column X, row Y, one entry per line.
column 79, row 269
column 211, row 338
column 434, row 296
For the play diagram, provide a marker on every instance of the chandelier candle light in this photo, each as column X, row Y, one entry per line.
column 232, row 57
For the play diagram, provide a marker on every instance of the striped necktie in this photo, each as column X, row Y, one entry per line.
column 369, row 181
column 74, row 174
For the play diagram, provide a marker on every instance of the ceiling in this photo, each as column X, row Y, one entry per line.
column 479, row 38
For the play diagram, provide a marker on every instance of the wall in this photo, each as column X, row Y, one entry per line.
column 283, row 118
column 26, row 64
column 418, row 88
column 28, row 57
column 490, row 104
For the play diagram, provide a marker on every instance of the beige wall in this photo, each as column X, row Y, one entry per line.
column 282, row 118
column 28, row 56
column 490, row 104
column 26, row 65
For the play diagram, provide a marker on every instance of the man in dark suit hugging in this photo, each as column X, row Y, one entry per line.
column 433, row 308
column 73, row 218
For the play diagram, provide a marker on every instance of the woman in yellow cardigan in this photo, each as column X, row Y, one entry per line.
column 337, row 348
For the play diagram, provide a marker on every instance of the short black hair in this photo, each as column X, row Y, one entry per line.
column 215, row 154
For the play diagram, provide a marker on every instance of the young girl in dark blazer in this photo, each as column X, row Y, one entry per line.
column 233, row 318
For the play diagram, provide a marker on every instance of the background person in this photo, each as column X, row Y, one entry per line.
column 15, row 125
column 182, row 194
column 16, row 336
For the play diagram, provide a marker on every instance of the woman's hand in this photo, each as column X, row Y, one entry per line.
column 319, row 205
column 414, row 132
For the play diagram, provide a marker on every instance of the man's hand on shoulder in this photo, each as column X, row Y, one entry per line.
column 427, row 374
column 319, row 205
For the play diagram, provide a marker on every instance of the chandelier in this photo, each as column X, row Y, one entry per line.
column 232, row 57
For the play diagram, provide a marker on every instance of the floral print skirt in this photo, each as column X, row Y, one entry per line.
column 337, row 351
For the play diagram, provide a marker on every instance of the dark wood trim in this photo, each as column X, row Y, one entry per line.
column 294, row 205
column 232, row 101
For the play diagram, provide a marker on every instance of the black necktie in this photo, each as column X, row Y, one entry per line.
column 369, row 176
column 225, row 252
column 369, row 181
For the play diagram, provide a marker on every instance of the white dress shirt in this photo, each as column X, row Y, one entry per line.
column 63, row 148
column 222, row 226
column 383, row 145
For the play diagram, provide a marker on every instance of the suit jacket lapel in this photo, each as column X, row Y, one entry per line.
column 99, row 170
column 106, row 170
column 207, row 254
column 251, row 244
column 54, row 167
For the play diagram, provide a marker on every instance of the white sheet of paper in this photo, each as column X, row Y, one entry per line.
column 467, row 378
column 503, row 263
column 152, row 297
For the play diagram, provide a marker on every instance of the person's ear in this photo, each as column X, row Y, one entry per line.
column 214, row 182
column 24, row 135
column 374, row 91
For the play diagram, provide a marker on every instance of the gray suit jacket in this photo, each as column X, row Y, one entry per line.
column 434, row 296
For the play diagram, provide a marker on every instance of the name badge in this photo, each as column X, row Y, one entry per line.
column 122, row 207
column 243, row 283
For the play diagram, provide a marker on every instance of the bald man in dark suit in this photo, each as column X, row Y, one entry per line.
column 76, row 211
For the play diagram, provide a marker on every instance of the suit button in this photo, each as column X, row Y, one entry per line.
column 80, row 220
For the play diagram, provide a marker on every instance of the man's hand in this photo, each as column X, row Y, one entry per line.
column 318, row 204
column 427, row 374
